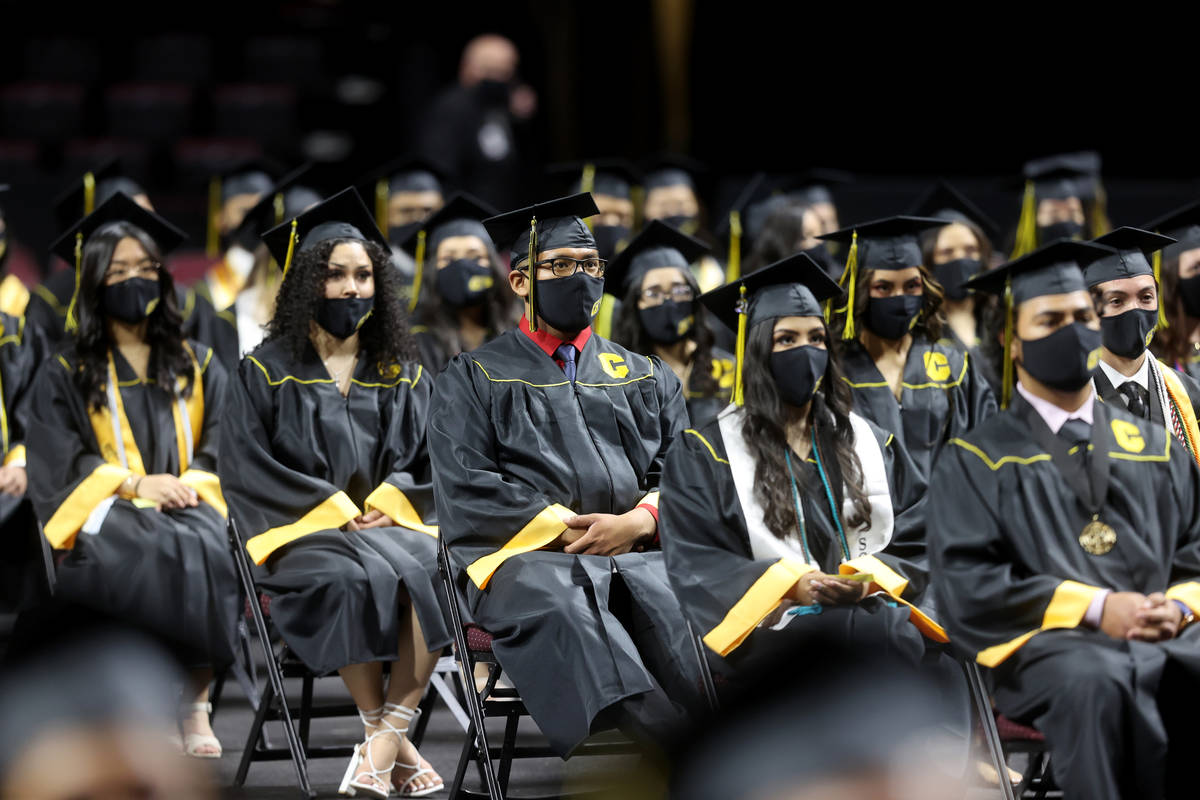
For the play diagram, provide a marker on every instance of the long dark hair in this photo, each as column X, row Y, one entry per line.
column 781, row 236
column 169, row 360
column 930, row 320
column 1172, row 344
column 628, row 332
column 763, row 428
column 984, row 303
column 501, row 310
column 383, row 337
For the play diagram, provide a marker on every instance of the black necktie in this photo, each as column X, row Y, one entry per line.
column 1076, row 431
column 1136, row 398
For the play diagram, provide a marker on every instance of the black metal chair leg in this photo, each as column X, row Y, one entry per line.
column 306, row 701
column 698, row 647
column 506, row 751
column 417, row 734
column 254, row 737
column 987, row 723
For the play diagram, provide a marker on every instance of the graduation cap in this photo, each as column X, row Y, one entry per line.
column 797, row 286
column 671, row 169
column 343, row 216
column 945, row 202
column 1057, row 178
column 253, row 175
column 91, row 190
column 1055, row 268
column 658, row 245
column 1183, row 225
column 612, row 177
column 462, row 215
column 279, row 202
column 811, row 187
column 746, row 217
column 120, row 207
column 1137, row 254
column 408, row 173
column 890, row 243
column 545, row 226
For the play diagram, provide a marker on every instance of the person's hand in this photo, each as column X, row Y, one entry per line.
column 1157, row 620
column 373, row 519
column 1120, row 613
column 831, row 590
column 802, row 592
column 12, row 480
column 352, row 525
column 167, row 491
column 610, row 534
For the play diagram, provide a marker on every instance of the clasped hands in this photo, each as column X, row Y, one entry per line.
column 818, row 588
column 1133, row 615
column 606, row 534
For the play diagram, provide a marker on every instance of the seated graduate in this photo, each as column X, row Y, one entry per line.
column 408, row 190
column 460, row 296
column 660, row 315
column 1125, row 289
column 672, row 195
column 903, row 378
column 791, row 228
column 1065, row 534
column 1055, row 204
column 331, row 481
column 122, row 452
column 546, row 445
column 237, row 328
column 232, row 195
column 790, row 512
column 1177, row 342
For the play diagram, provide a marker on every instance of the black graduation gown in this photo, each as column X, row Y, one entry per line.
column 1015, row 583
column 20, row 566
column 984, row 366
column 703, row 406
column 46, row 313
column 943, row 396
column 308, row 461
column 168, row 572
column 217, row 329
column 727, row 592
column 517, row 448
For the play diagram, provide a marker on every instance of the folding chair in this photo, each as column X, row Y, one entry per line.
column 473, row 645
column 273, row 703
column 1037, row 782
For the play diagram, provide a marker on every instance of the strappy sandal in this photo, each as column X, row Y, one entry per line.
column 408, row 715
column 370, row 719
column 192, row 742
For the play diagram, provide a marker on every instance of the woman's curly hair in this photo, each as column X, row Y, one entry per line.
column 383, row 337
column 169, row 359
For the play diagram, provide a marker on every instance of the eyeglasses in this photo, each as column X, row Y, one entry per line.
column 566, row 267
column 680, row 293
column 123, row 270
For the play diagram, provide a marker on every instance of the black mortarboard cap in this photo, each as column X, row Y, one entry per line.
column 943, row 201
column 274, row 206
column 411, row 173
column 613, row 177
column 1134, row 248
column 1059, row 177
column 72, row 204
column 248, row 176
column 119, row 208
column 342, row 216
column 812, row 186
column 1183, row 225
column 1055, row 268
column 559, row 224
column 462, row 215
column 753, row 205
column 658, row 245
column 793, row 287
column 671, row 169
column 890, row 243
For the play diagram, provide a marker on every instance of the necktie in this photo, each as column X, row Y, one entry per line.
column 566, row 354
column 1136, row 398
column 1076, row 431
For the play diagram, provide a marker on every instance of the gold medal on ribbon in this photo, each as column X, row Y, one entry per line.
column 1097, row 538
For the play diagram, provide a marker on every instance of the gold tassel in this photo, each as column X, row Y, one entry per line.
column 587, row 183
column 89, row 193
column 72, row 322
column 638, row 195
column 1026, row 239
column 212, row 241
column 287, row 261
column 740, row 349
column 733, row 268
column 418, row 269
column 1006, row 386
column 533, row 324
column 850, row 279
column 1100, row 223
column 279, row 208
column 381, row 204
column 1156, row 260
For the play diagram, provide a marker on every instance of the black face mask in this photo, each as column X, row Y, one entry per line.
column 131, row 300
column 1189, row 293
column 1065, row 359
column 569, row 303
column 669, row 322
column 343, row 316
column 682, row 222
column 892, row 317
column 397, row 234
column 464, row 283
column 610, row 240
column 1128, row 334
column 798, row 372
column 1060, row 230
column 953, row 276
column 826, row 261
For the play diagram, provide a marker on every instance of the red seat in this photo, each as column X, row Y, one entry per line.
column 478, row 640
column 1016, row 732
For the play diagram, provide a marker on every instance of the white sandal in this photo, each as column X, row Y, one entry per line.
column 370, row 719
column 408, row 715
column 192, row 742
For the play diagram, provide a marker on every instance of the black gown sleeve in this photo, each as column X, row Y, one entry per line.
column 406, row 494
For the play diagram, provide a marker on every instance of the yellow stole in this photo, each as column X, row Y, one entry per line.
column 1187, row 414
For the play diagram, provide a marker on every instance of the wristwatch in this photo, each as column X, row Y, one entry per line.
column 1189, row 616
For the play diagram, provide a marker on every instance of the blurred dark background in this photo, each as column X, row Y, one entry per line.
column 896, row 96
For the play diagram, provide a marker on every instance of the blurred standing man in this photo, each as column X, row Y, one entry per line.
column 475, row 127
